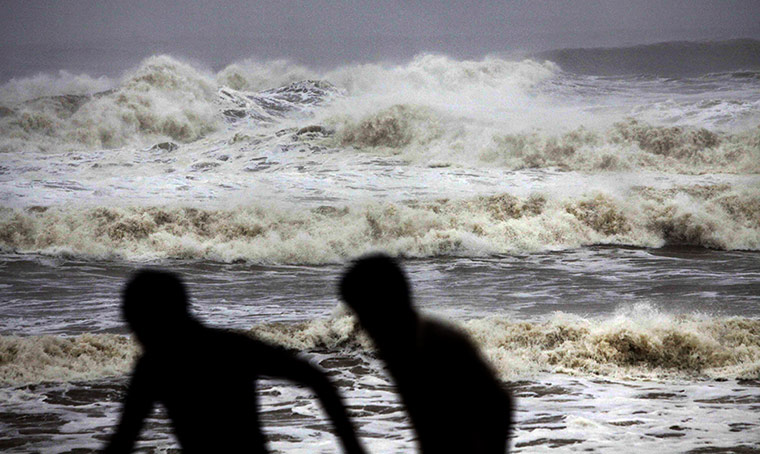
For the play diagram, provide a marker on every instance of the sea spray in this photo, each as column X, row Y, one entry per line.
column 162, row 98
column 432, row 110
column 41, row 85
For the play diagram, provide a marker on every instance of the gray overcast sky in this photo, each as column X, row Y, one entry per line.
column 49, row 35
column 92, row 20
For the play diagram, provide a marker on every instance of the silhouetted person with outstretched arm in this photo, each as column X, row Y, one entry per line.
column 205, row 377
column 454, row 401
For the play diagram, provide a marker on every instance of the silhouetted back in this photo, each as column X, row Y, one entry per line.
column 203, row 376
column 454, row 401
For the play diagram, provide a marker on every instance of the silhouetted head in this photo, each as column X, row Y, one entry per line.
column 376, row 288
column 155, row 307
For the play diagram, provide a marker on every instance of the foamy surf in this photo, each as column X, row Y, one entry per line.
column 637, row 343
column 634, row 344
column 720, row 217
column 511, row 113
column 38, row 359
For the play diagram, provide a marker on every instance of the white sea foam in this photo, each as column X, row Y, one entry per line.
column 51, row 358
column 253, row 75
column 637, row 343
column 431, row 110
column 162, row 98
column 165, row 97
column 718, row 216
column 417, row 159
column 425, row 136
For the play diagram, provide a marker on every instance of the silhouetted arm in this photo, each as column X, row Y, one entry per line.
column 281, row 363
column 137, row 404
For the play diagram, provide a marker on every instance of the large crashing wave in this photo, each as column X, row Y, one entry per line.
column 252, row 75
column 161, row 98
column 166, row 98
column 718, row 217
column 433, row 110
column 638, row 343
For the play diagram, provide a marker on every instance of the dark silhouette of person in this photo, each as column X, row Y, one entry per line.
column 454, row 401
column 205, row 377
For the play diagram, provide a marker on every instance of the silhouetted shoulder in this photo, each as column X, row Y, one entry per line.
column 445, row 346
column 235, row 339
column 244, row 348
column 205, row 377
column 438, row 335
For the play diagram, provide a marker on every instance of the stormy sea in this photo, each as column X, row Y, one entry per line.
column 590, row 217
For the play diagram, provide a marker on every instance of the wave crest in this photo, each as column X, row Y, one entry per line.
column 426, row 136
column 162, row 98
column 638, row 343
column 42, row 85
column 717, row 216
column 394, row 127
column 51, row 358
column 253, row 75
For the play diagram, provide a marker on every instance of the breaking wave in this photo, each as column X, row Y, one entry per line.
column 253, row 75
column 161, row 98
column 36, row 359
column 638, row 343
column 423, row 135
column 718, row 216
column 167, row 98
column 430, row 110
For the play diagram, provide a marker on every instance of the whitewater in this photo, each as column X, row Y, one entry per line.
column 595, row 232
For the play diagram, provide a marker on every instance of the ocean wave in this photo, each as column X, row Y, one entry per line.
column 165, row 98
column 676, row 58
column 254, row 75
column 162, row 98
column 432, row 110
column 438, row 75
column 269, row 106
column 423, row 135
column 719, row 216
column 35, row 359
column 639, row 343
